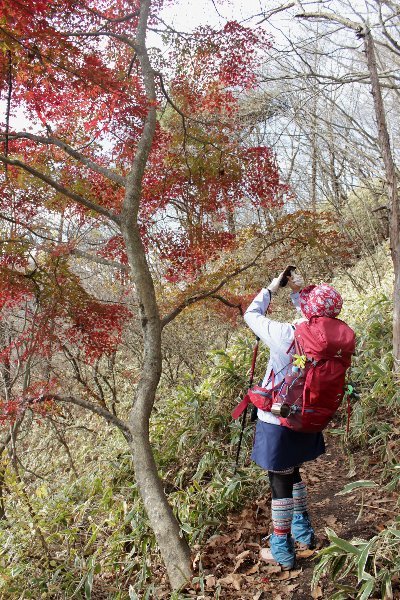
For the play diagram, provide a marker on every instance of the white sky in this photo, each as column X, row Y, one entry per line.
column 186, row 15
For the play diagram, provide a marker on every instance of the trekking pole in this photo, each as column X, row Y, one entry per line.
column 253, row 366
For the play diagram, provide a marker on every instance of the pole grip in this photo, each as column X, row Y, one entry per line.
column 253, row 363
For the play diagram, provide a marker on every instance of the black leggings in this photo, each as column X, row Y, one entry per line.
column 282, row 483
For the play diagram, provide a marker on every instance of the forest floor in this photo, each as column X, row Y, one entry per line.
column 230, row 560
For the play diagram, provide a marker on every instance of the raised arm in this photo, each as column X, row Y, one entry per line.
column 273, row 333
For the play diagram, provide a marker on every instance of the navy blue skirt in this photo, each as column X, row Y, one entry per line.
column 277, row 448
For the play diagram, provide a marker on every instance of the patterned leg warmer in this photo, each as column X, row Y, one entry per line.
column 281, row 541
column 302, row 530
column 282, row 514
column 300, row 498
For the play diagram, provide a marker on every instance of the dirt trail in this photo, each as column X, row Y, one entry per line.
column 231, row 569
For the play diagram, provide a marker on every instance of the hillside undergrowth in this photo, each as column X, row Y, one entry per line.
column 79, row 531
column 358, row 568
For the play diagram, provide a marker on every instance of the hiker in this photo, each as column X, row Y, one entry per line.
column 278, row 449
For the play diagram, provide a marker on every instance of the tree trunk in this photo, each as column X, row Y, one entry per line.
column 391, row 178
column 314, row 152
column 173, row 547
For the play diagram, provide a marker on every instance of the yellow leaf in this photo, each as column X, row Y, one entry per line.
column 41, row 491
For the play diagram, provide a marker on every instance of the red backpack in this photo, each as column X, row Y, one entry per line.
column 313, row 389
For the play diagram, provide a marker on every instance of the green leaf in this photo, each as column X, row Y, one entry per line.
column 362, row 483
column 394, row 532
column 348, row 589
column 339, row 596
column 366, row 590
column 344, row 545
column 387, row 591
column 362, row 561
column 132, row 594
column 328, row 550
column 378, row 370
column 89, row 585
column 337, row 566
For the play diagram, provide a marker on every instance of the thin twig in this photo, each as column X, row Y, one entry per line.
column 8, row 106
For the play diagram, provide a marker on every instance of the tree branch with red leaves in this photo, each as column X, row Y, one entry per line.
column 60, row 188
column 202, row 295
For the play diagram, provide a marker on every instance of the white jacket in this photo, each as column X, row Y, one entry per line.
column 277, row 336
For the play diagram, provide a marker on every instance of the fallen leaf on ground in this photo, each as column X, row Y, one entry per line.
column 257, row 596
column 246, row 513
column 218, row 540
column 195, row 561
column 240, row 559
column 322, row 502
column 330, row 520
column 294, row 574
column 271, row 569
column 316, row 592
column 253, row 569
column 211, row 581
column 232, row 579
column 238, row 535
column 247, row 525
column 305, row 553
column 380, row 500
column 313, row 479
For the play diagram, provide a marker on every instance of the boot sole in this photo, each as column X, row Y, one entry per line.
column 266, row 556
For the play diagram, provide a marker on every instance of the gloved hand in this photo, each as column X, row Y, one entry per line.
column 274, row 286
column 296, row 282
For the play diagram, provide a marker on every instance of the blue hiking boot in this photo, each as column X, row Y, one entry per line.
column 302, row 531
column 281, row 551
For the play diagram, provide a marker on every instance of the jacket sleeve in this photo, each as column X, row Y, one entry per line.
column 274, row 334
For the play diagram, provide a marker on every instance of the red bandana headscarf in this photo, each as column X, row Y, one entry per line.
column 320, row 301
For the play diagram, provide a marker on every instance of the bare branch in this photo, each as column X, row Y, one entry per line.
column 94, row 408
column 118, row 36
column 202, row 295
column 394, row 45
column 275, row 11
column 61, row 189
column 230, row 304
column 72, row 152
column 324, row 15
column 100, row 260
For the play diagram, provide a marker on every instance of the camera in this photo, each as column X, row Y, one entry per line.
column 287, row 273
column 282, row 409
